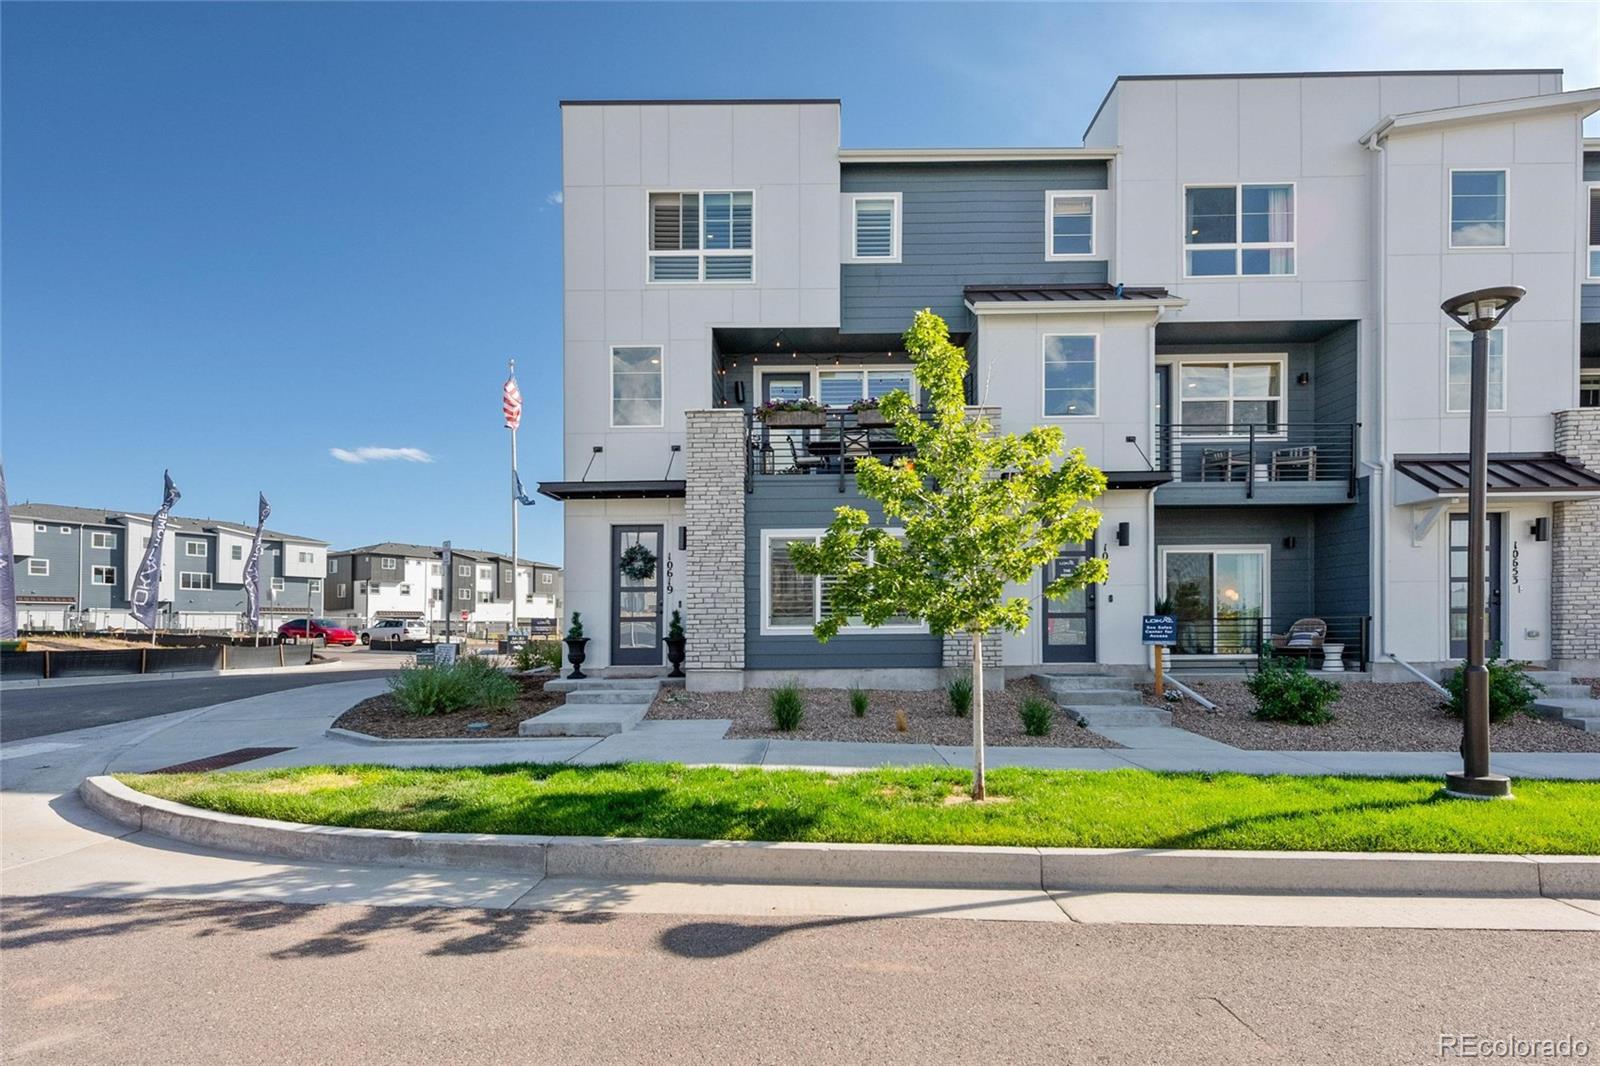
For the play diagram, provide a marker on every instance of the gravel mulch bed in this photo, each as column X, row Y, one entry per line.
column 1368, row 717
column 928, row 717
column 382, row 716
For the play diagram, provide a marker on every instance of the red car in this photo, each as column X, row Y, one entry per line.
column 320, row 627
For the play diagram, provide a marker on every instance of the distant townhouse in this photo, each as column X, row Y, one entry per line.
column 394, row 580
column 75, row 569
column 1228, row 295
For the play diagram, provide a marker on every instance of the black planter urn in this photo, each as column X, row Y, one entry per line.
column 675, row 654
column 575, row 656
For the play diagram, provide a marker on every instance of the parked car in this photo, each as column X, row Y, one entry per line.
column 392, row 630
column 330, row 632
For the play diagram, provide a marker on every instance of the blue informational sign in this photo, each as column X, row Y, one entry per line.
column 1160, row 629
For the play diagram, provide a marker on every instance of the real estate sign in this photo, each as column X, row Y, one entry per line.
column 1160, row 629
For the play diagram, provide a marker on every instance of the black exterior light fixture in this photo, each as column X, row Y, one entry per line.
column 1479, row 312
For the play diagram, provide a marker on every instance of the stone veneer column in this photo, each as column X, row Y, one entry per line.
column 713, row 509
column 1575, row 547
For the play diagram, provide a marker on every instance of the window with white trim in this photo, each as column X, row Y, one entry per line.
column 1594, row 231
column 1589, row 387
column 793, row 602
column 38, row 567
column 340, row 589
column 841, row 388
column 1458, row 371
column 464, row 595
column 463, row 570
column 1071, row 376
column 636, row 386
column 1069, row 225
column 1231, row 395
column 1477, row 209
column 874, row 228
column 333, row 565
column 236, row 551
column 485, row 573
column 66, row 531
column 387, row 563
column 102, row 540
column 103, row 575
column 485, row 596
column 405, row 590
column 314, row 585
column 546, row 579
column 40, row 527
column 701, row 236
column 276, row 584
column 1234, row 230
column 306, row 557
column 195, row 549
column 194, row 580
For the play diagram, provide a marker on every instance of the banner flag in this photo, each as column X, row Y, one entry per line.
column 521, row 494
column 147, row 582
column 8, row 576
column 252, row 568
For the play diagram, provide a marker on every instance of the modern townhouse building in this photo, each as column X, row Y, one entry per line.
column 393, row 580
column 75, row 568
column 1228, row 295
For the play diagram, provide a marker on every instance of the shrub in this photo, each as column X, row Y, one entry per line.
column 960, row 692
column 1287, row 692
column 1038, row 715
column 858, row 701
column 1510, row 689
column 787, row 706
column 470, row 682
column 675, row 627
column 534, row 654
column 575, row 630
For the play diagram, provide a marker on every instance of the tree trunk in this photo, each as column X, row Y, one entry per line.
column 979, row 785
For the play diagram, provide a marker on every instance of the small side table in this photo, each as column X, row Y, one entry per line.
column 1333, row 658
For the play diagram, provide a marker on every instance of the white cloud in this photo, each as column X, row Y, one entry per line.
column 555, row 199
column 379, row 455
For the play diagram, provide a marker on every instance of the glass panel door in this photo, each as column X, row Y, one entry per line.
column 1219, row 598
column 1069, row 624
column 1458, row 585
column 636, row 601
column 781, row 447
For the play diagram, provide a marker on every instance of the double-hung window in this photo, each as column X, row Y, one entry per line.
column 874, row 228
column 1231, row 396
column 103, row 575
column 195, row 549
column 387, row 563
column 636, row 386
column 277, row 585
column 1069, row 222
column 793, row 602
column 38, row 567
column 1232, row 230
column 1071, row 376
column 1458, row 371
column 1477, row 209
column 702, row 236
column 102, row 540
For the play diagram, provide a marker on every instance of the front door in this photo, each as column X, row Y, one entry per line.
column 635, row 601
column 1069, row 622
column 1458, row 585
column 781, row 447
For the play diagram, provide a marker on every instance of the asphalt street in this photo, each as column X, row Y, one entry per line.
column 35, row 712
column 101, row 981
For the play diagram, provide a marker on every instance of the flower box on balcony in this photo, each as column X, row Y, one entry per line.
column 872, row 418
column 793, row 419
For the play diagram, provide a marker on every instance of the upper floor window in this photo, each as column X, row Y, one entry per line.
column 635, row 386
column 40, row 527
column 1070, row 225
column 195, row 548
column 841, row 388
column 102, row 540
column 1232, row 230
column 485, row 573
column 1594, row 231
column 405, row 590
column 702, row 236
column 1477, row 209
column 546, row 579
column 103, row 575
column 306, row 557
column 387, row 563
column 875, row 228
column 333, row 565
column 1231, row 396
column 1071, row 377
column 38, row 567
column 463, row 570
column 314, row 585
column 236, row 551
column 1458, row 371
column 194, row 580
column 1589, row 387
column 277, row 585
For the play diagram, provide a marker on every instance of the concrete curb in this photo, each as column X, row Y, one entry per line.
column 22, row 683
column 1053, row 869
column 367, row 738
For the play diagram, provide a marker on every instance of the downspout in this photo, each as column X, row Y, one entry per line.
column 1378, row 509
column 1150, row 497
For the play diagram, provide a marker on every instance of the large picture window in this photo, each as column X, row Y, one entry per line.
column 1219, row 595
column 1458, row 370
column 793, row 602
column 1232, row 230
column 1071, row 377
column 702, row 236
column 1230, row 396
column 841, row 388
column 635, row 386
column 1477, row 209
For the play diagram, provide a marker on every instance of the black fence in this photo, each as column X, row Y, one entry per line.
column 1259, row 454
column 827, row 443
column 1216, row 640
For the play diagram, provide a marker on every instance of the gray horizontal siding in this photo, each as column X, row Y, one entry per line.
column 801, row 501
column 1341, row 584
column 1590, row 304
column 961, row 224
column 1333, row 378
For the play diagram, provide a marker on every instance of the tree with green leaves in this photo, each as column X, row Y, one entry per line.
column 968, row 511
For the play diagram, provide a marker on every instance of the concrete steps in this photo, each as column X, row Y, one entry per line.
column 1565, row 701
column 595, row 707
column 1103, row 700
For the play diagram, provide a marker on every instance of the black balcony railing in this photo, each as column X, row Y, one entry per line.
column 1258, row 454
column 829, row 443
column 1248, row 635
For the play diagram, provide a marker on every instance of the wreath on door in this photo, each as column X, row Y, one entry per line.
column 638, row 563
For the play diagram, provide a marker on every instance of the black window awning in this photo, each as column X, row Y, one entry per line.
column 611, row 490
column 1525, row 474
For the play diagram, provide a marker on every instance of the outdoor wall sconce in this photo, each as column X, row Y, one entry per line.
column 683, row 538
column 1124, row 534
column 738, row 393
column 1540, row 529
column 1288, row 543
column 1303, row 379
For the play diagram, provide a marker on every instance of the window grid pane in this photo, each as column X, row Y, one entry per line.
column 1458, row 368
column 1069, row 376
column 793, row 597
column 636, row 386
column 1478, row 208
column 1072, row 225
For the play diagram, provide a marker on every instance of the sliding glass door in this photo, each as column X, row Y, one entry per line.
column 1219, row 596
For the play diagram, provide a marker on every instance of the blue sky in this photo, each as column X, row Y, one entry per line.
column 238, row 237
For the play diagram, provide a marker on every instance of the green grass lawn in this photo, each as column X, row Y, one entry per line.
column 1058, row 808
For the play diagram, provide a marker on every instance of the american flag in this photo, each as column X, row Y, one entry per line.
column 511, row 403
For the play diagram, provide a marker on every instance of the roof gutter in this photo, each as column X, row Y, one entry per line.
column 1080, row 307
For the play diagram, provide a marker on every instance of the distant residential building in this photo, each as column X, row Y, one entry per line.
column 75, row 568
column 394, row 580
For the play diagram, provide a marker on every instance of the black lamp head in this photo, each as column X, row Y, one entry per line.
column 1482, row 309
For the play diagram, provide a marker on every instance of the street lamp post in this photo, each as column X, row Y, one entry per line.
column 1478, row 312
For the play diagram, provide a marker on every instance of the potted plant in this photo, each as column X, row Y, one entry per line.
column 868, row 414
column 802, row 413
column 675, row 643
column 576, row 643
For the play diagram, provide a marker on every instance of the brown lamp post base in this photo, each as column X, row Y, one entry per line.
column 1489, row 786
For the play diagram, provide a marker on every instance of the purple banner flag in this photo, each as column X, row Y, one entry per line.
column 252, row 569
column 146, row 598
column 8, row 576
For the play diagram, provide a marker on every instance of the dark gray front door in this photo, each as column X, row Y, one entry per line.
column 1458, row 585
column 635, row 602
column 1069, row 622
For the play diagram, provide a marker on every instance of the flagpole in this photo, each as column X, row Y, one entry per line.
column 515, row 506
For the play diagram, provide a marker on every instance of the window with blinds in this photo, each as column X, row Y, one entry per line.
column 1070, row 225
column 874, row 228
column 702, row 236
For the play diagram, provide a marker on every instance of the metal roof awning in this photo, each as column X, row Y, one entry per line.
column 1137, row 479
column 1034, row 299
column 1512, row 475
column 611, row 490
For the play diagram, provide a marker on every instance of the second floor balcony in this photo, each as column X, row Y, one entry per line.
column 825, row 443
column 1280, row 463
